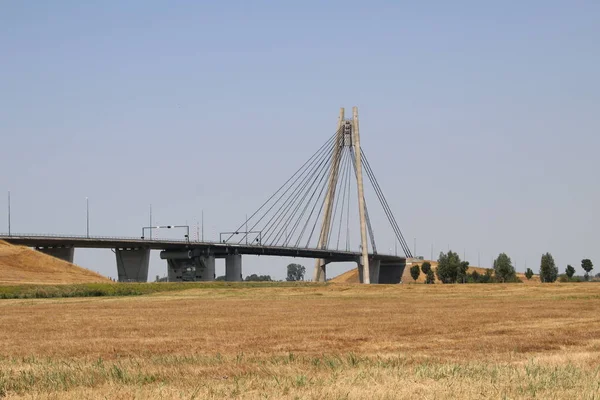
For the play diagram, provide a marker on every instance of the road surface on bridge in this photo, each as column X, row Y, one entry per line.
column 213, row 248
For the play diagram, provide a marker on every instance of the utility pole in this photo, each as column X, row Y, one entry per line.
column 431, row 252
column 203, row 225
column 87, row 216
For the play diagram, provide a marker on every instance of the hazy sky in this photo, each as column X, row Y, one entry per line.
column 481, row 120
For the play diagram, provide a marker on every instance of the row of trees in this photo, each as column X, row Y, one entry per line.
column 549, row 270
column 451, row 269
column 295, row 272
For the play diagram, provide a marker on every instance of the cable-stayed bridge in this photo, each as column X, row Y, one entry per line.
column 308, row 216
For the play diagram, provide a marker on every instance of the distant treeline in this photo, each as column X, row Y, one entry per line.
column 451, row 269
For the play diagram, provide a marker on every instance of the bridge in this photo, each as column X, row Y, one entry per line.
column 319, row 194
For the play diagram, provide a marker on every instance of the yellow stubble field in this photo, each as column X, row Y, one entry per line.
column 331, row 341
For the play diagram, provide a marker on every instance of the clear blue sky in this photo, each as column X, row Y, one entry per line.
column 481, row 120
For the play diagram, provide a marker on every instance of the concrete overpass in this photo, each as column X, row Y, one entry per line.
column 189, row 260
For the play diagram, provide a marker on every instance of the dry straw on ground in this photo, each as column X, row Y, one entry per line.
column 20, row 265
column 333, row 342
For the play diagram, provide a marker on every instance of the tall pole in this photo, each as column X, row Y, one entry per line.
column 415, row 248
column 150, row 222
column 319, row 272
column 9, row 213
column 87, row 216
column 246, row 229
column 203, row 225
column 431, row 252
column 361, row 197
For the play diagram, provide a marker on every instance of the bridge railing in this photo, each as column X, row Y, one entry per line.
column 94, row 237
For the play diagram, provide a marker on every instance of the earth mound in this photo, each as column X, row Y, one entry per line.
column 22, row 265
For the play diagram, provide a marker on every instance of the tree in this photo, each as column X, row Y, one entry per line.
column 503, row 268
column 461, row 276
column 430, row 278
column 548, row 270
column 570, row 271
column 220, row 278
column 449, row 267
column 295, row 272
column 426, row 267
column 415, row 271
column 587, row 266
column 258, row 278
column 528, row 273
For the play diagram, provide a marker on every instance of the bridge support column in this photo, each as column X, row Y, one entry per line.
column 374, row 266
column 189, row 265
column 132, row 264
column 233, row 267
column 391, row 272
column 64, row 253
column 206, row 272
column 320, row 274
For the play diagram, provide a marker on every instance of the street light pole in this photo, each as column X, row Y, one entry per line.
column 87, row 216
column 415, row 248
column 9, row 213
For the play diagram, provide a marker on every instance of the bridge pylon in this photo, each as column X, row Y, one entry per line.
column 310, row 209
column 347, row 139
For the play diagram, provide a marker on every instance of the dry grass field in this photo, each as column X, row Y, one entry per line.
column 335, row 341
column 20, row 265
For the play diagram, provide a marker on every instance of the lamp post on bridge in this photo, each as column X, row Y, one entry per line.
column 9, row 213
column 87, row 217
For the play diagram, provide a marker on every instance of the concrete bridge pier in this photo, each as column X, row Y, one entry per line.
column 207, row 272
column 65, row 253
column 233, row 268
column 391, row 272
column 320, row 274
column 189, row 265
column 374, row 268
column 132, row 264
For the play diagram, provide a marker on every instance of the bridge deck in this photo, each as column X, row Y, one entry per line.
column 217, row 249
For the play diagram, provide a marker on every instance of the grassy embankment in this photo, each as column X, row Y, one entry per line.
column 126, row 289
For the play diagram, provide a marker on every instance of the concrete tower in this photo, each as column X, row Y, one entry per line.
column 347, row 135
